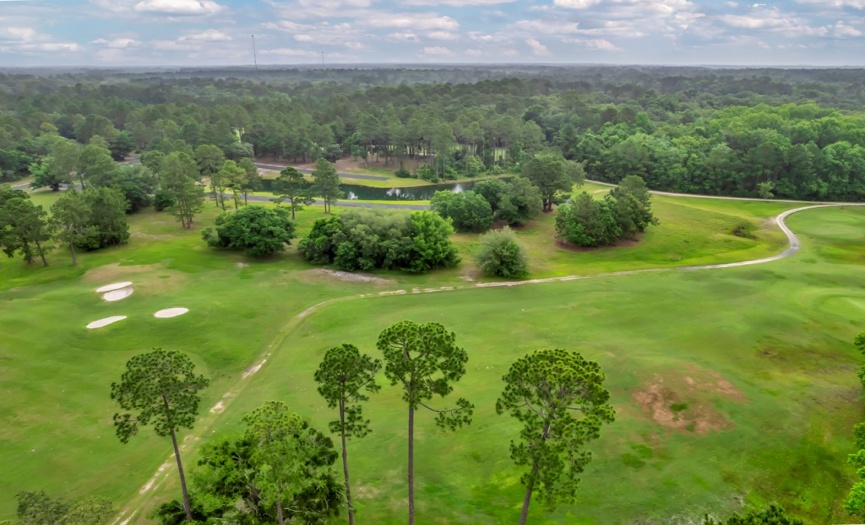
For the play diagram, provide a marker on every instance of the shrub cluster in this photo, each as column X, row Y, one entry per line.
column 256, row 230
column 501, row 255
column 467, row 210
column 515, row 202
column 622, row 214
column 370, row 239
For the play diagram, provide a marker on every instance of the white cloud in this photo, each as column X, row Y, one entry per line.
column 437, row 51
column 413, row 21
column 210, row 35
column 117, row 43
column 549, row 27
column 403, row 37
column 53, row 46
column 593, row 44
column 842, row 30
column 443, row 35
column 538, row 49
column 455, row 3
column 773, row 20
column 290, row 52
column 576, row 4
column 179, row 7
column 23, row 34
column 473, row 52
column 855, row 4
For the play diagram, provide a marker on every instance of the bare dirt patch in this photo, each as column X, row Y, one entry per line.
column 115, row 272
column 684, row 403
column 317, row 275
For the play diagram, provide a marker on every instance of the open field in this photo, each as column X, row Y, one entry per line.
column 760, row 356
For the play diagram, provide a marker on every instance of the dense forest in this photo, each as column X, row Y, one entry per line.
column 797, row 134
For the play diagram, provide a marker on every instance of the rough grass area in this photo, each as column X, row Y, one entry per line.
column 729, row 384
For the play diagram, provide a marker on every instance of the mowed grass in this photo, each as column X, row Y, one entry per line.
column 55, row 375
column 729, row 385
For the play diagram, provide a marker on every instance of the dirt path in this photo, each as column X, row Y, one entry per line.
column 130, row 511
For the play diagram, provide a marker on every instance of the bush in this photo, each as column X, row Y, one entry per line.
column 402, row 173
column 501, row 255
column 587, row 222
column 468, row 210
column 163, row 200
column 256, row 230
column 622, row 214
column 369, row 239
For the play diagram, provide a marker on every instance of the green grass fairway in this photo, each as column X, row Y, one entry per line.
column 760, row 358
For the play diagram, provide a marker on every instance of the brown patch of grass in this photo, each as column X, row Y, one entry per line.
column 115, row 272
column 322, row 275
column 148, row 279
column 682, row 404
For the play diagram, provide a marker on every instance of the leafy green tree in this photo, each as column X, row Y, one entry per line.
column 425, row 361
column 256, row 230
column 559, row 398
column 320, row 246
column 179, row 177
column 227, row 486
column 159, row 388
column 137, row 183
column 109, row 225
column 326, row 181
column 520, row 203
column 70, row 220
column 292, row 187
column 24, row 227
column 231, row 176
column 587, row 222
column 631, row 206
column 57, row 168
column 252, row 179
column 492, row 190
column 430, row 243
column 501, row 255
column 764, row 189
column 38, row 508
column 210, row 159
column 287, row 448
column 552, row 173
column 343, row 377
column 96, row 166
column 772, row 515
column 467, row 210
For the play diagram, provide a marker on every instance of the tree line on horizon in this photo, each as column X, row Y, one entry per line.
column 728, row 139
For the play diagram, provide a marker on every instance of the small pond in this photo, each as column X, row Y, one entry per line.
column 418, row 193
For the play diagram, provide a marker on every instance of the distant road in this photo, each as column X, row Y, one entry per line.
column 343, row 175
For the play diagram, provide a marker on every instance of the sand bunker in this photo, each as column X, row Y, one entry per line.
column 116, row 295
column 114, row 286
column 170, row 312
column 105, row 322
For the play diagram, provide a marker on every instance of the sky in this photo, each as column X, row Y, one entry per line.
column 112, row 33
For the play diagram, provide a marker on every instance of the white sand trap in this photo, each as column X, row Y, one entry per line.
column 170, row 312
column 116, row 295
column 114, row 286
column 105, row 322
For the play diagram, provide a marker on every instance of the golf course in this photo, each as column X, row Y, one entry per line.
column 733, row 387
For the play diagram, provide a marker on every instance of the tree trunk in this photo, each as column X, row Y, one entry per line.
column 279, row 517
column 410, row 465
column 187, row 506
column 41, row 254
column 527, row 499
column 345, row 463
column 74, row 255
